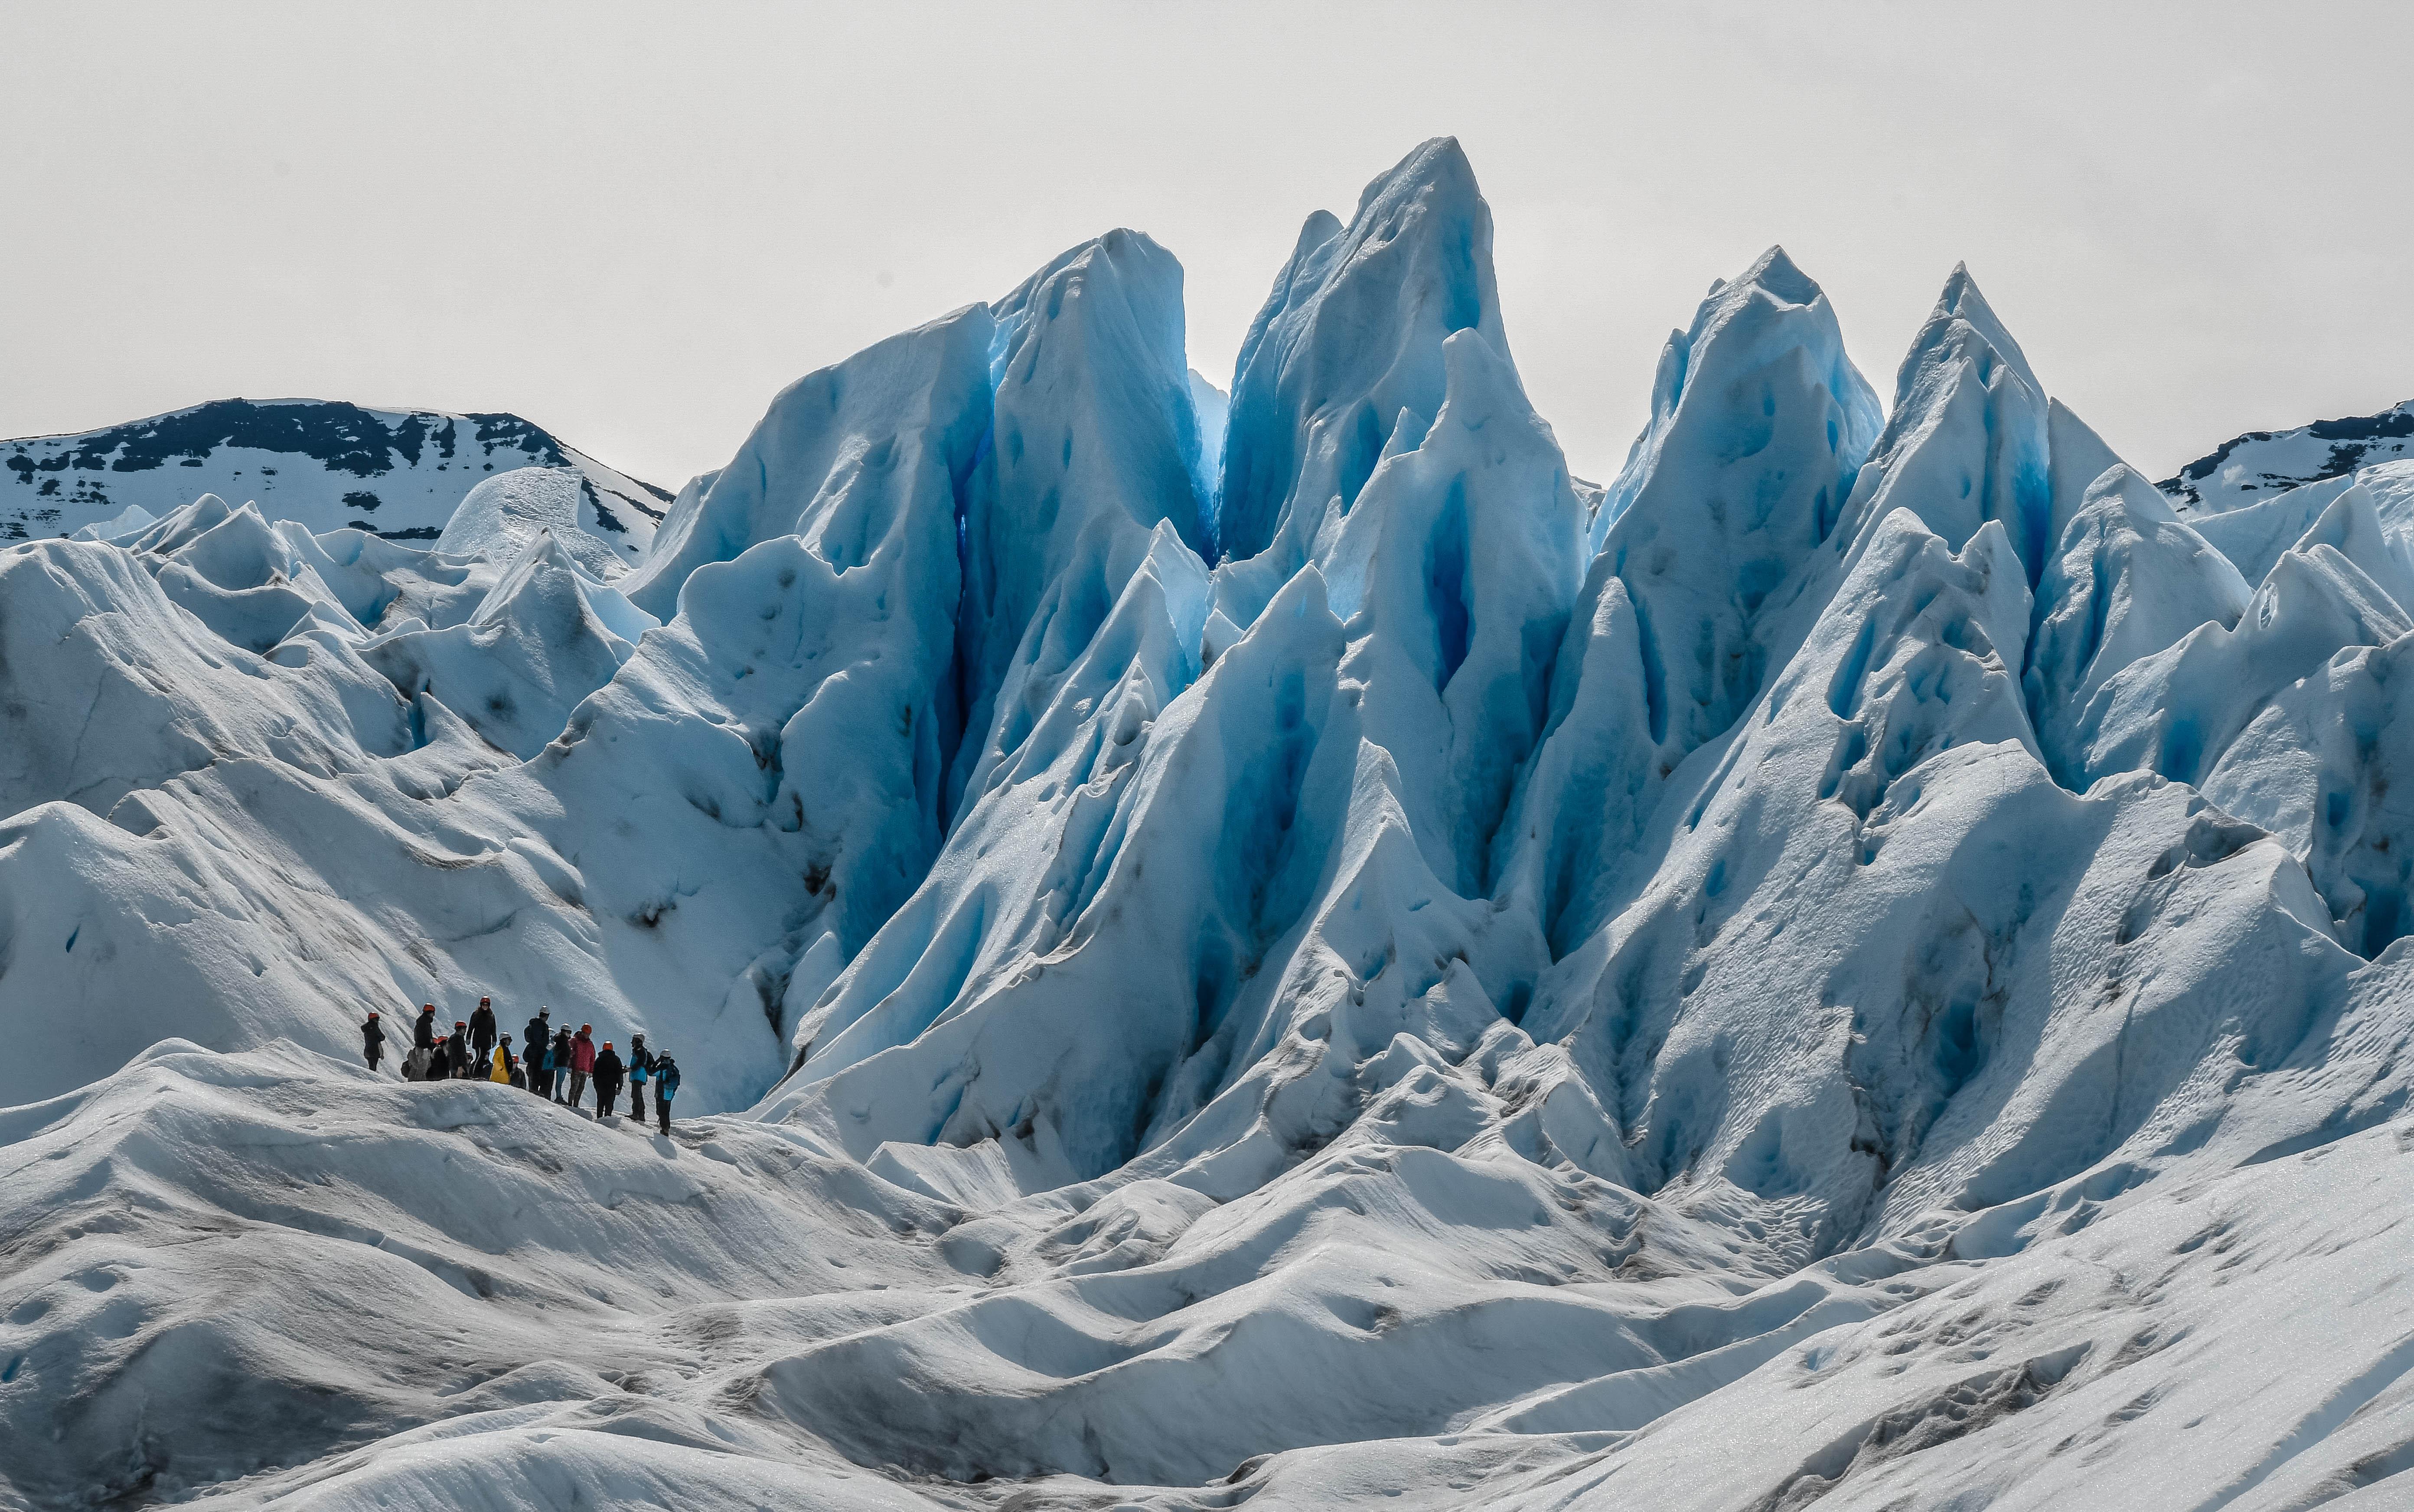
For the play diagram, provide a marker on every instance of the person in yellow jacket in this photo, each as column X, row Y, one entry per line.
column 505, row 1067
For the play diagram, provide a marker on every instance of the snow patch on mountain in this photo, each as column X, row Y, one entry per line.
column 325, row 464
column 2249, row 468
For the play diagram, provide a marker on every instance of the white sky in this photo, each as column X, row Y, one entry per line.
column 634, row 224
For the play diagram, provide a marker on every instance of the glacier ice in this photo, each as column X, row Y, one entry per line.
column 542, row 639
column 505, row 512
column 2128, row 578
column 1271, row 947
column 1343, row 366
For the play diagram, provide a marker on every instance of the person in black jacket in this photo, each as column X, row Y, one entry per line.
column 533, row 1040
column 561, row 1063
column 373, row 1041
column 608, row 1071
column 481, row 1029
column 641, row 1065
column 457, row 1063
column 423, row 1034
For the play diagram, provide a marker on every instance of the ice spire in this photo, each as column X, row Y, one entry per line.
column 847, row 457
column 1345, row 360
column 1093, row 442
column 1458, row 579
column 2129, row 579
column 1763, row 351
column 1759, row 422
column 1967, row 441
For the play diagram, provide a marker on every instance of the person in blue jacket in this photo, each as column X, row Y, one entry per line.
column 641, row 1065
column 666, row 1085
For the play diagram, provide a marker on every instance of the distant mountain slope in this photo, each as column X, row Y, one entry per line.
column 2260, row 464
column 322, row 463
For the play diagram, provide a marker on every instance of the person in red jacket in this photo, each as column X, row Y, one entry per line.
column 582, row 1061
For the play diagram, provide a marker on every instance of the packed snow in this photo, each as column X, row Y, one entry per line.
column 1273, row 948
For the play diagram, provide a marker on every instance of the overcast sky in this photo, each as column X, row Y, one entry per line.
column 634, row 224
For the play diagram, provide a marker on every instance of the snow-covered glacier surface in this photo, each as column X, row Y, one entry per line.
column 1269, row 949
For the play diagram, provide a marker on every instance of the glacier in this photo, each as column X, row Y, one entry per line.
column 1268, row 947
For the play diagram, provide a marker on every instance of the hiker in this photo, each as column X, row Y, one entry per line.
column 457, row 1062
column 535, row 1037
column 665, row 1086
column 481, row 1029
column 582, row 1062
column 439, row 1061
column 641, row 1065
column 423, row 1034
column 373, row 1041
column 506, row 1064
column 414, row 1065
column 558, row 1059
column 608, row 1071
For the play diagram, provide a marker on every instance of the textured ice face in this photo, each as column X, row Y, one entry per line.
column 500, row 517
column 1292, row 954
column 1343, row 366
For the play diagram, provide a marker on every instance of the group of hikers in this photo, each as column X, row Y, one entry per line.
column 558, row 1063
